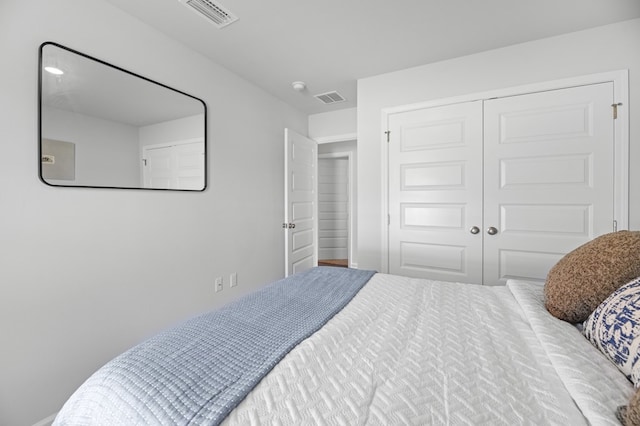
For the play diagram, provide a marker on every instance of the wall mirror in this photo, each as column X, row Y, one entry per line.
column 102, row 126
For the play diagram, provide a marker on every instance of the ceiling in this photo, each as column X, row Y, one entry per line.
column 93, row 88
column 330, row 44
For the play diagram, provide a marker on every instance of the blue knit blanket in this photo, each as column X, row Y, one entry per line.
column 197, row 372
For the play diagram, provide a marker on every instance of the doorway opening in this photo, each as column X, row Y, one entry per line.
column 335, row 203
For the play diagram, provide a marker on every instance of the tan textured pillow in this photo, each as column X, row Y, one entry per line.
column 629, row 415
column 585, row 277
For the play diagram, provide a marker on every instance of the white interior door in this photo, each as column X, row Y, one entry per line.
column 300, row 222
column 435, row 193
column 158, row 167
column 548, row 163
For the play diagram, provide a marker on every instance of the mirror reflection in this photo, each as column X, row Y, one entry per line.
column 102, row 126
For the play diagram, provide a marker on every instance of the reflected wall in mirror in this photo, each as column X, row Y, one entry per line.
column 102, row 126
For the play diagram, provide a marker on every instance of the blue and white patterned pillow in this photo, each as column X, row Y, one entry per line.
column 614, row 328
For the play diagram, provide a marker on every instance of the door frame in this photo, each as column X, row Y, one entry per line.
column 350, row 192
column 620, row 79
column 353, row 188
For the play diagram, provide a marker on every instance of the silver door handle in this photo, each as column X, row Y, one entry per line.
column 492, row 231
column 474, row 230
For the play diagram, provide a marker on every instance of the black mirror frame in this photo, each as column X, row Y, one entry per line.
column 40, row 170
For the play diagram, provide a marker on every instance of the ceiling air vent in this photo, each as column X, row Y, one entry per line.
column 212, row 11
column 330, row 98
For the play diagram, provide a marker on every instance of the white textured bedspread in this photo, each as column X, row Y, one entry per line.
column 408, row 351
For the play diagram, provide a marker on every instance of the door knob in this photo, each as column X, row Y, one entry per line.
column 474, row 230
column 492, row 231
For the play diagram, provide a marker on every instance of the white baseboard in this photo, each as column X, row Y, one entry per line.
column 46, row 421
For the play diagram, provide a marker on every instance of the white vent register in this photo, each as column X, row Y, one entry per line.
column 330, row 97
column 212, row 11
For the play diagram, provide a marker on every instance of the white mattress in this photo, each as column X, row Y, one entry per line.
column 409, row 351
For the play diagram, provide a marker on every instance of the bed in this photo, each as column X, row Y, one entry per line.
column 386, row 350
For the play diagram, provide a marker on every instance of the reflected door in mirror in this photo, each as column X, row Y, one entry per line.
column 174, row 166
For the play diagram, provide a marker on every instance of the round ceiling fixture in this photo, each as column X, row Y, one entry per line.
column 54, row 70
column 299, row 86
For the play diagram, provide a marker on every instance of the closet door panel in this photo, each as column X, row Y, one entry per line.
column 189, row 163
column 435, row 192
column 548, row 163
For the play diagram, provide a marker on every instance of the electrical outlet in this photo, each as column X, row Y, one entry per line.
column 233, row 279
column 218, row 284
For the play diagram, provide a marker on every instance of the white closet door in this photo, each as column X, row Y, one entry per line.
column 179, row 166
column 435, row 193
column 189, row 163
column 548, row 165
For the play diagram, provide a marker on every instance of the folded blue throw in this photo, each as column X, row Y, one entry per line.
column 197, row 372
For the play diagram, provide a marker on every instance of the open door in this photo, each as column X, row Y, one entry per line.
column 300, row 202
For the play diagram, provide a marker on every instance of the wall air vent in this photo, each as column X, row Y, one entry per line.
column 330, row 97
column 212, row 11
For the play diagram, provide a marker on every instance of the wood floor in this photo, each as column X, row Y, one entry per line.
column 343, row 263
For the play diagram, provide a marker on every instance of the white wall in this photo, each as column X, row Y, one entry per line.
column 333, row 125
column 606, row 48
column 86, row 273
column 172, row 131
column 102, row 147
